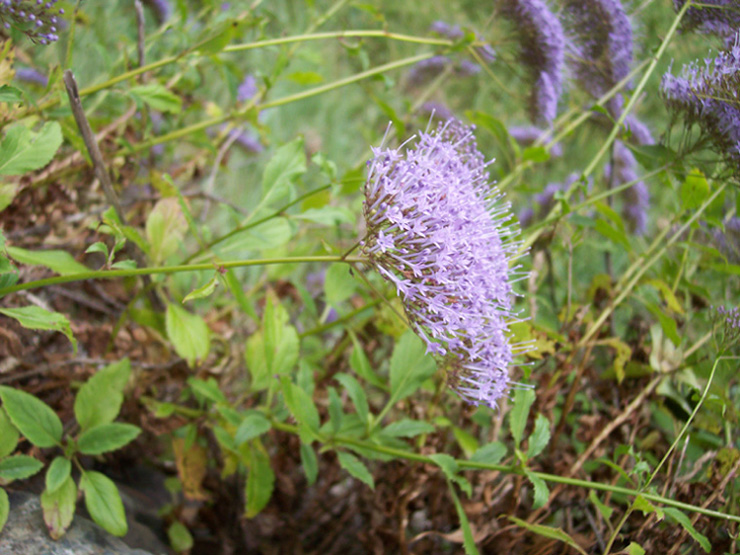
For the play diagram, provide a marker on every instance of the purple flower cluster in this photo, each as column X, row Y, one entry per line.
column 542, row 45
column 728, row 334
column 38, row 19
column 162, row 9
column 247, row 88
column 526, row 135
column 639, row 132
column 636, row 198
column 716, row 17
column 437, row 109
column 602, row 49
column 439, row 232
column 33, row 76
column 709, row 96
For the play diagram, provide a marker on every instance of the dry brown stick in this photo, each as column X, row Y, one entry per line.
column 140, row 31
column 101, row 172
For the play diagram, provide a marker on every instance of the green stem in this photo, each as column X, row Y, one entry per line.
column 112, row 274
column 509, row 469
column 183, row 132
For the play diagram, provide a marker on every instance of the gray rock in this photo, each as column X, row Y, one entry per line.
column 25, row 533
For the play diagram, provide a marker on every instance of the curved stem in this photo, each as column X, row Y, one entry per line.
column 112, row 274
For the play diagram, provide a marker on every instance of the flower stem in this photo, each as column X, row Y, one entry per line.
column 112, row 274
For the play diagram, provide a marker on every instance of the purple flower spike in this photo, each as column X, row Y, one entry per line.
column 247, row 89
column 637, row 197
column 542, row 52
column 526, row 135
column 716, row 17
column 603, row 45
column 440, row 233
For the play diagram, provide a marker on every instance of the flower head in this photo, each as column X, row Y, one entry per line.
column 38, row 19
column 440, row 234
column 717, row 17
column 542, row 52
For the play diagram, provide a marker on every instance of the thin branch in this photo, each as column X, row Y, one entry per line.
column 140, row 31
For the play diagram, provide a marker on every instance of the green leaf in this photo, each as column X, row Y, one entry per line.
column 217, row 39
column 361, row 365
column 615, row 235
column 490, row 453
column 541, row 492
column 99, row 399
column 23, row 151
column 106, row 437
column 694, row 190
column 207, row 389
column 540, row 436
column 450, row 468
column 268, row 235
column 180, row 538
column 98, row 246
column 57, row 261
column 103, row 502
column 7, row 194
column 18, row 467
column 281, row 339
column 188, row 332
column 254, row 425
column 335, row 410
column 288, row 163
column 548, row 532
column 356, row 468
column 165, row 229
column 254, row 356
column 407, row 428
column 467, row 441
column 685, row 523
column 36, row 318
column 635, row 549
column 536, row 154
column 156, row 96
column 523, row 399
column 33, row 418
column 410, row 366
column 260, row 482
column 10, row 94
column 59, row 507
column 305, row 77
column 56, row 475
column 605, row 510
column 339, row 285
column 357, row 394
column 310, row 463
column 468, row 538
column 302, row 407
column 4, row 508
column 8, row 435
column 328, row 216
column 202, row 291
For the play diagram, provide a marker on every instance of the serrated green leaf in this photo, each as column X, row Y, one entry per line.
column 103, row 502
column 203, row 291
column 361, row 365
column 106, row 437
column 523, row 399
column 180, row 538
column 188, row 332
column 541, row 493
column 18, row 467
column 156, row 96
column 281, row 342
column 254, row 425
column 99, row 399
column 407, row 428
column 8, row 435
column 410, row 366
column 207, row 389
column 356, row 468
column 339, row 285
column 37, row 318
column 685, row 523
column 165, row 229
column 23, row 151
column 310, row 463
column 694, row 190
column 335, row 410
column 302, row 407
column 59, row 507
column 288, row 162
column 548, row 532
column 540, row 436
column 57, row 261
column 357, row 394
column 490, row 453
column 32, row 417
column 56, row 475
column 260, row 482
column 4, row 508
column 254, row 356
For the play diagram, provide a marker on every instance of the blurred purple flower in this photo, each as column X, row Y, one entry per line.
column 717, row 17
column 438, row 110
column 33, row 76
column 454, row 32
column 466, row 68
column 426, row 70
column 636, row 198
column 640, row 132
column 602, row 50
column 37, row 19
column 542, row 45
column 707, row 95
column 247, row 88
column 728, row 240
column 439, row 232
column 526, row 135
